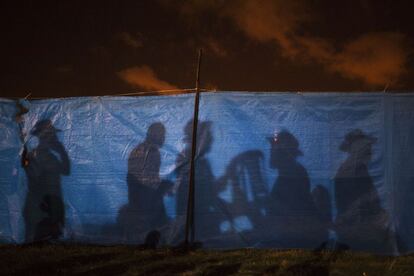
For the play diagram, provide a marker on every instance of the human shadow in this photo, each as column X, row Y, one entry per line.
column 404, row 213
column 145, row 211
column 44, row 211
column 361, row 223
column 402, row 165
column 182, row 172
column 205, row 209
column 294, row 217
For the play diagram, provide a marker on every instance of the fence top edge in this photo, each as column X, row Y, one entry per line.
column 191, row 91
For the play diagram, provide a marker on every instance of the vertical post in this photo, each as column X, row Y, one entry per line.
column 189, row 227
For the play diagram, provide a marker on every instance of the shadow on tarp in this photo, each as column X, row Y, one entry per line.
column 44, row 211
column 144, row 214
column 361, row 222
column 240, row 210
column 145, row 211
column 235, row 208
column 294, row 221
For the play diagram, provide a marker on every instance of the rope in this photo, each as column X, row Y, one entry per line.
column 186, row 90
column 193, row 90
column 138, row 93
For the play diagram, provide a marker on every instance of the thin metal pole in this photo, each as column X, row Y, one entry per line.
column 190, row 228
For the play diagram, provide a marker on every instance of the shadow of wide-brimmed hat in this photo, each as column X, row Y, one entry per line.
column 44, row 126
column 286, row 141
column 356, row 137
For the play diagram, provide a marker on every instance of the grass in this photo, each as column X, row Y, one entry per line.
column 52, row 259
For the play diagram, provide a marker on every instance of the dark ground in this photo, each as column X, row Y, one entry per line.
column 53, row 259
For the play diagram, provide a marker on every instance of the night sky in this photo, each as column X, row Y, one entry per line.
column 87, row 48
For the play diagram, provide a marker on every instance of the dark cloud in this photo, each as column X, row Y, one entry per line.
column 134, row 41
column 64, row 69
column 216, row 47
column 376, row 59
column 74, row 48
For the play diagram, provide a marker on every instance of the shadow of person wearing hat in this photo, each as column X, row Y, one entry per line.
column 44, row 212
column 292, row 213
column 361, row 223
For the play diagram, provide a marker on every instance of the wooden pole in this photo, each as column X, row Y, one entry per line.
column 190, row 227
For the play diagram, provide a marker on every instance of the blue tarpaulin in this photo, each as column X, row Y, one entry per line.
column 273, row 170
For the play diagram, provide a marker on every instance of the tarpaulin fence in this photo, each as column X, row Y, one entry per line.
column 273, row 170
